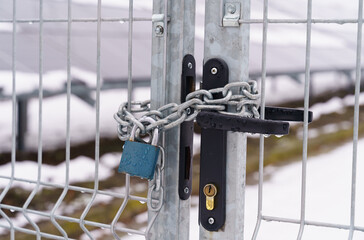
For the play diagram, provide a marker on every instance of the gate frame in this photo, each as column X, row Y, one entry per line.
column 236, row 55
column 168, row 51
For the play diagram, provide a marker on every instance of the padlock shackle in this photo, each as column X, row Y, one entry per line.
column 155, row 132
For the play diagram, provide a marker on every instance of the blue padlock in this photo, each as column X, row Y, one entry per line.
column 140, row 159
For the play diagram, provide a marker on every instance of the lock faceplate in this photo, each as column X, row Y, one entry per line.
column 213, row 154
column 186, row 130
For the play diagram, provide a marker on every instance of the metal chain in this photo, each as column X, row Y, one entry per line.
column 238, row 98
column 155, row 190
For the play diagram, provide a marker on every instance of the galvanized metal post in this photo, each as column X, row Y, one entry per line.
column 231, row 44
column 172, row 40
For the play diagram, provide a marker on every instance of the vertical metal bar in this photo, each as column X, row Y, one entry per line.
column 305, row 122
column 167, row 55
column 13, row 126
column 262, row 116
column 356, row 118
column 130, row 97
column 40, row 125
column 122, row 207
column 159, row 57
column 130, row 54
column 68, row 128
column 97, row 135
column 236, row 55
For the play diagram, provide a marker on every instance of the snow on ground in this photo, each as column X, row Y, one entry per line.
column 6, row 27
column 328, row 198
column 328, row 183
column 328, row 195
column 81, row 169
column 284, row 89
column 83, row 116
column 52, row 80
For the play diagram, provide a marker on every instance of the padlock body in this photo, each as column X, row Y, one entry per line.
column 139, row 159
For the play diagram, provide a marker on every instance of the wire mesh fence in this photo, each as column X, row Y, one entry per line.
column 125, row 193
column 309, row 21
column 35, row 216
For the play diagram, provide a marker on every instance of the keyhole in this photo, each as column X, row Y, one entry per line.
column 210, row 192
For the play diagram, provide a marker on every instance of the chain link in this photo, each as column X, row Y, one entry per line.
column 237, row 98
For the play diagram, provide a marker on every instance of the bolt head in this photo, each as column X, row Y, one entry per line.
column 188, row 110
column 159, row 30
column 213, row 70
column 189, row 65
column 186, row 190
column 211, row 220
column 231, row 8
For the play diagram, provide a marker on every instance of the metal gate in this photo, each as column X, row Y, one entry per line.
column 227, row 30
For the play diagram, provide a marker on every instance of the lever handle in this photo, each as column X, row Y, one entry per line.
column 215, row 120
column 286, row 114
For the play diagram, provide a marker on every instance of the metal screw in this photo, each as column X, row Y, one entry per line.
column 214, row 70
column 186, row 190
column 231, row 8
column 188, row 110
column 211, row 220
column 159, row 30
column 189, row 65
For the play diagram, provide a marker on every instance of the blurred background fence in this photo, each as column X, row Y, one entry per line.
column 65, row 66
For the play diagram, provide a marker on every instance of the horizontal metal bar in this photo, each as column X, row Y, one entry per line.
column 311, row 223
column 149, row 19
column 296, row 21
column 82, row 20
column 32, row 232
column 70, row 219
column 256, row 75
column 79, row 189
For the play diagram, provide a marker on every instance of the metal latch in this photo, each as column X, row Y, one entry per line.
column 231, row 14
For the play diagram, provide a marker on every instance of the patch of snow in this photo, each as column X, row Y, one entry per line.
column 140, row 187
column 19, row 221
column 142, row 218
column 52, row 80
column 81, row 169
column 328, row 194
column 331, row 106
column 25, row 82
column 327, row 199
column 283, row 89
column 6, row 27
column 111, row 160
column 350, row 100
column 83, row 119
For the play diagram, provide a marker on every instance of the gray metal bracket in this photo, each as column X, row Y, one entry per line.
column 158, row 24
column 231, row 14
